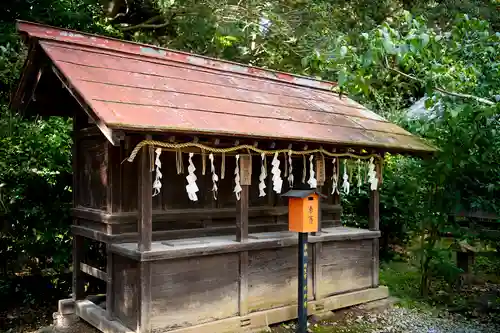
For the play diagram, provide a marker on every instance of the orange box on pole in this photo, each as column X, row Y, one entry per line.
column 303, row 209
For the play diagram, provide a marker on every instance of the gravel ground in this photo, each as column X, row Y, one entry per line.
column 394, row 320
column 402, row 320
column 356, row 320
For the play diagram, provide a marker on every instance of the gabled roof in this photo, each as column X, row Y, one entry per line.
column 130, row 86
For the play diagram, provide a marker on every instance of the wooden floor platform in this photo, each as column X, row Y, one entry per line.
column 96, row 316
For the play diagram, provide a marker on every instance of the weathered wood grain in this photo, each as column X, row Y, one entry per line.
column 345, row 266
column 243, row 284
column 125, row 290
column 145, row 203
column 242, row 215
column 272, row 278
column 78, row 281
column 193, row 291
column 92, row 271
column 109, row 283
column 144, row 298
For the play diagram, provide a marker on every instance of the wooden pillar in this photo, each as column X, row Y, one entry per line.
column 242, row 231
column 337, row 216
column 374, row 225
column 242, row 215
column 242, row 236
column 320, row 212
column 109, row 283
column 145, row 204
column 145, row 228
column 78, row 281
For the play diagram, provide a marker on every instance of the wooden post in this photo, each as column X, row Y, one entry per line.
column 336, row 198
column 78, row 282
column 144, row 298
column 145, row 204
column 374, row 225
column 109, row 283
column 242, row 231
column 320, row 212
column 78, row 287
column 145, row 228
column 242, row 236
column 302, row 283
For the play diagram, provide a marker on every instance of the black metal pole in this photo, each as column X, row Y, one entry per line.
column 302, row 276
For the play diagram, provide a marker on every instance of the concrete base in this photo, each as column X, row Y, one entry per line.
column 65, row 317
column 96, row 316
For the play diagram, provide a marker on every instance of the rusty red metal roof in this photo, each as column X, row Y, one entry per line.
column 132, row 86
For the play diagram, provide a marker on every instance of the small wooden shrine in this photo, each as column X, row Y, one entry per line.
column 179, row 162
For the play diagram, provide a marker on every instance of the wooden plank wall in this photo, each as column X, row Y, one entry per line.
column 345, row 266
column 272, row 278
column 125, row 300
column 192, row 291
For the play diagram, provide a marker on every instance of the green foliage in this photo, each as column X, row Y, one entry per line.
column 378, row 53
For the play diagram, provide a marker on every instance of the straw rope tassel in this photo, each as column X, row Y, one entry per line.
column 304, row 170
column 358, row 176
column 223, row 166
column 157, row 182
column 203, row 162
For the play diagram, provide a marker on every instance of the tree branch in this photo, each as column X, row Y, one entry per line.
column 441, row 90
column 148, row 24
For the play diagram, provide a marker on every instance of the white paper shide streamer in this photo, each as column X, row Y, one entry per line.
column 345, row 185
column 237, row 185
column 158, row 176
column 313, row 183
column 262, row 176
column 335, row 178
column 276, row 172
column 191, row 187
column 372, row 175
column 215, row 178
column 290, row 170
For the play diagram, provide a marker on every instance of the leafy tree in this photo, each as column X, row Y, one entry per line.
column 458, row 69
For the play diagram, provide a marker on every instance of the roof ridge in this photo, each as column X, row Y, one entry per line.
column 43, row 31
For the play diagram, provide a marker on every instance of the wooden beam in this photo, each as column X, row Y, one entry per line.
column 188, row 214
column 78, row 282
column 106, row 131
column 92, row 271
column 242, row 215
column 145, row 203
